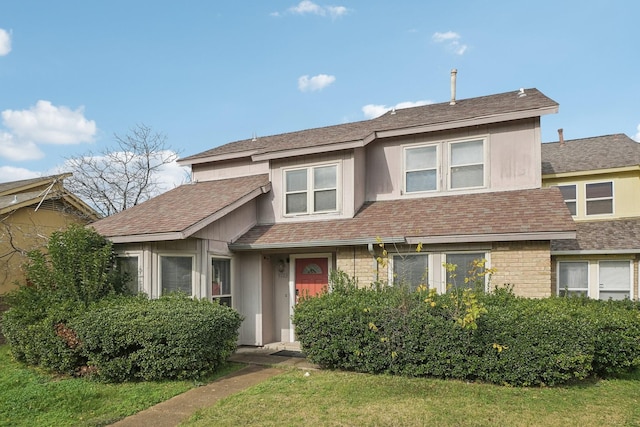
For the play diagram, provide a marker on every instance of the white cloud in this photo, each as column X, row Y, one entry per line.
column 5, row 42
column 308, row 7
column 637, row 137
column 172, row 175
column 10, row 173
column 47, row 124
column 371, row 111
column 319, row 82
column 18, row 151
column 452, row 40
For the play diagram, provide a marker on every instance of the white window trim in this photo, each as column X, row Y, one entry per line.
column 194, row 271
column 231, row 278
column 390, row 274
column 484, row 164
column 438, row 167
column 310, row 190
column 138, row 255
column 445, row 274
column 612, row 198
column 574, row 200
column 577, row 261
column 443, row 168
column 593, row 275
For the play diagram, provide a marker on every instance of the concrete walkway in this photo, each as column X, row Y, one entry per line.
column 262, row 365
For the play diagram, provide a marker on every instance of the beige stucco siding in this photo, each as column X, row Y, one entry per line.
column 228, row 169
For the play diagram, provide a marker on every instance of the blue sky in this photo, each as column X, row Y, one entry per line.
column 73, row 73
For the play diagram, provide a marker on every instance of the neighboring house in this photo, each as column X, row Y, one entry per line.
column 266, row 219
column 30, row 210
column 600, row 180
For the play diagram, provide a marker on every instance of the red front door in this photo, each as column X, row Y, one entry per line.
column 311, row 276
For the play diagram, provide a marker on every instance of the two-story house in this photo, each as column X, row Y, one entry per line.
column 600, row 180
column 265, row 219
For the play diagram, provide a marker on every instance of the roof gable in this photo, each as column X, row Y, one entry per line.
column 492, row 108
column 600, row 152
column 180, row 212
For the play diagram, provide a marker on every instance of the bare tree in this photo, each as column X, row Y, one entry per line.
column 122, row 176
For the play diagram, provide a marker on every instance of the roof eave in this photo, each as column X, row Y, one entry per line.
column 492, row 237
column 475, row 121
column 315, row 243
column 316, row 149
column 216, row 158
column 588, row 172
column 596, row 252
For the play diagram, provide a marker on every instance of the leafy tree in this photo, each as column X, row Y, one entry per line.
column 78, row 267
column 122, row 176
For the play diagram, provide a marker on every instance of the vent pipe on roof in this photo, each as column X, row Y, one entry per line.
column 561, row 136
column 453, row 87
column 15, row 200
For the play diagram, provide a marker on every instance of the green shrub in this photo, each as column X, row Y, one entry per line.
column 174, row 337
column 494, row 337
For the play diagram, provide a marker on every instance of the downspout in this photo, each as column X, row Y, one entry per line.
column 375, row 261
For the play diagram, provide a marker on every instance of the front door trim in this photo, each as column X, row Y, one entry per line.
column 292, row 282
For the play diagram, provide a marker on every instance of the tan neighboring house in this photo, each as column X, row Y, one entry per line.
column 30, row 210
column 266, row 219
column 599, row 178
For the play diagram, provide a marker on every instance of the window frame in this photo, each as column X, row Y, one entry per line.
column 139, row 277
column 311, row 191
column 598, row 199
column 194, row 272
column 450, row 165
column 444, row 167
column 221, row 296
column 594, row 267
column 486, row 255
column 567, row 201
column 406, row 170
column 427, row 280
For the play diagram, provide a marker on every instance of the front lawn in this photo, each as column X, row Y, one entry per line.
column 331, row 398
column 30, row 398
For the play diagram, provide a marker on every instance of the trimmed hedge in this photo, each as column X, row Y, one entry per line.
column 174, row 337
column 126, row 338
column 517, row 341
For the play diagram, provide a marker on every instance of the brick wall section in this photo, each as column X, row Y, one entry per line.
column 524, row 265
column 357, row 262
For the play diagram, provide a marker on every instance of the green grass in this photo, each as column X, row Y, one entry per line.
column 32, row 398
column 346, row 399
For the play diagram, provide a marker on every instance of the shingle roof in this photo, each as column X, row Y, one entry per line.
column 510, row 212
column 623, row 234
column 464, row 109
column 181, row 208
column 601, row 152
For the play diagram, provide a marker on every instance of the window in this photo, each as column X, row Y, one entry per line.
column 601, row 279
column 615, row 280
column 463, row 162
column 421, row 168
column 573, row 278
column 311, row 190
column 411, row 270
column 569, row 195
column 130, row 267
column 176, row 274
column 467, row 164
column 221, row 280
column 599, row 198
column 467, row 272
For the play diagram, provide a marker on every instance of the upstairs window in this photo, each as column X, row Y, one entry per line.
column 569, row 195
column 599, row 198
column 467, row 164
column 311, row 190
column 421, row 169
column 447, row 165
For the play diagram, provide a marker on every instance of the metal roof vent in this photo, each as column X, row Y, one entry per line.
column 15, row 200
column 454, row 72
